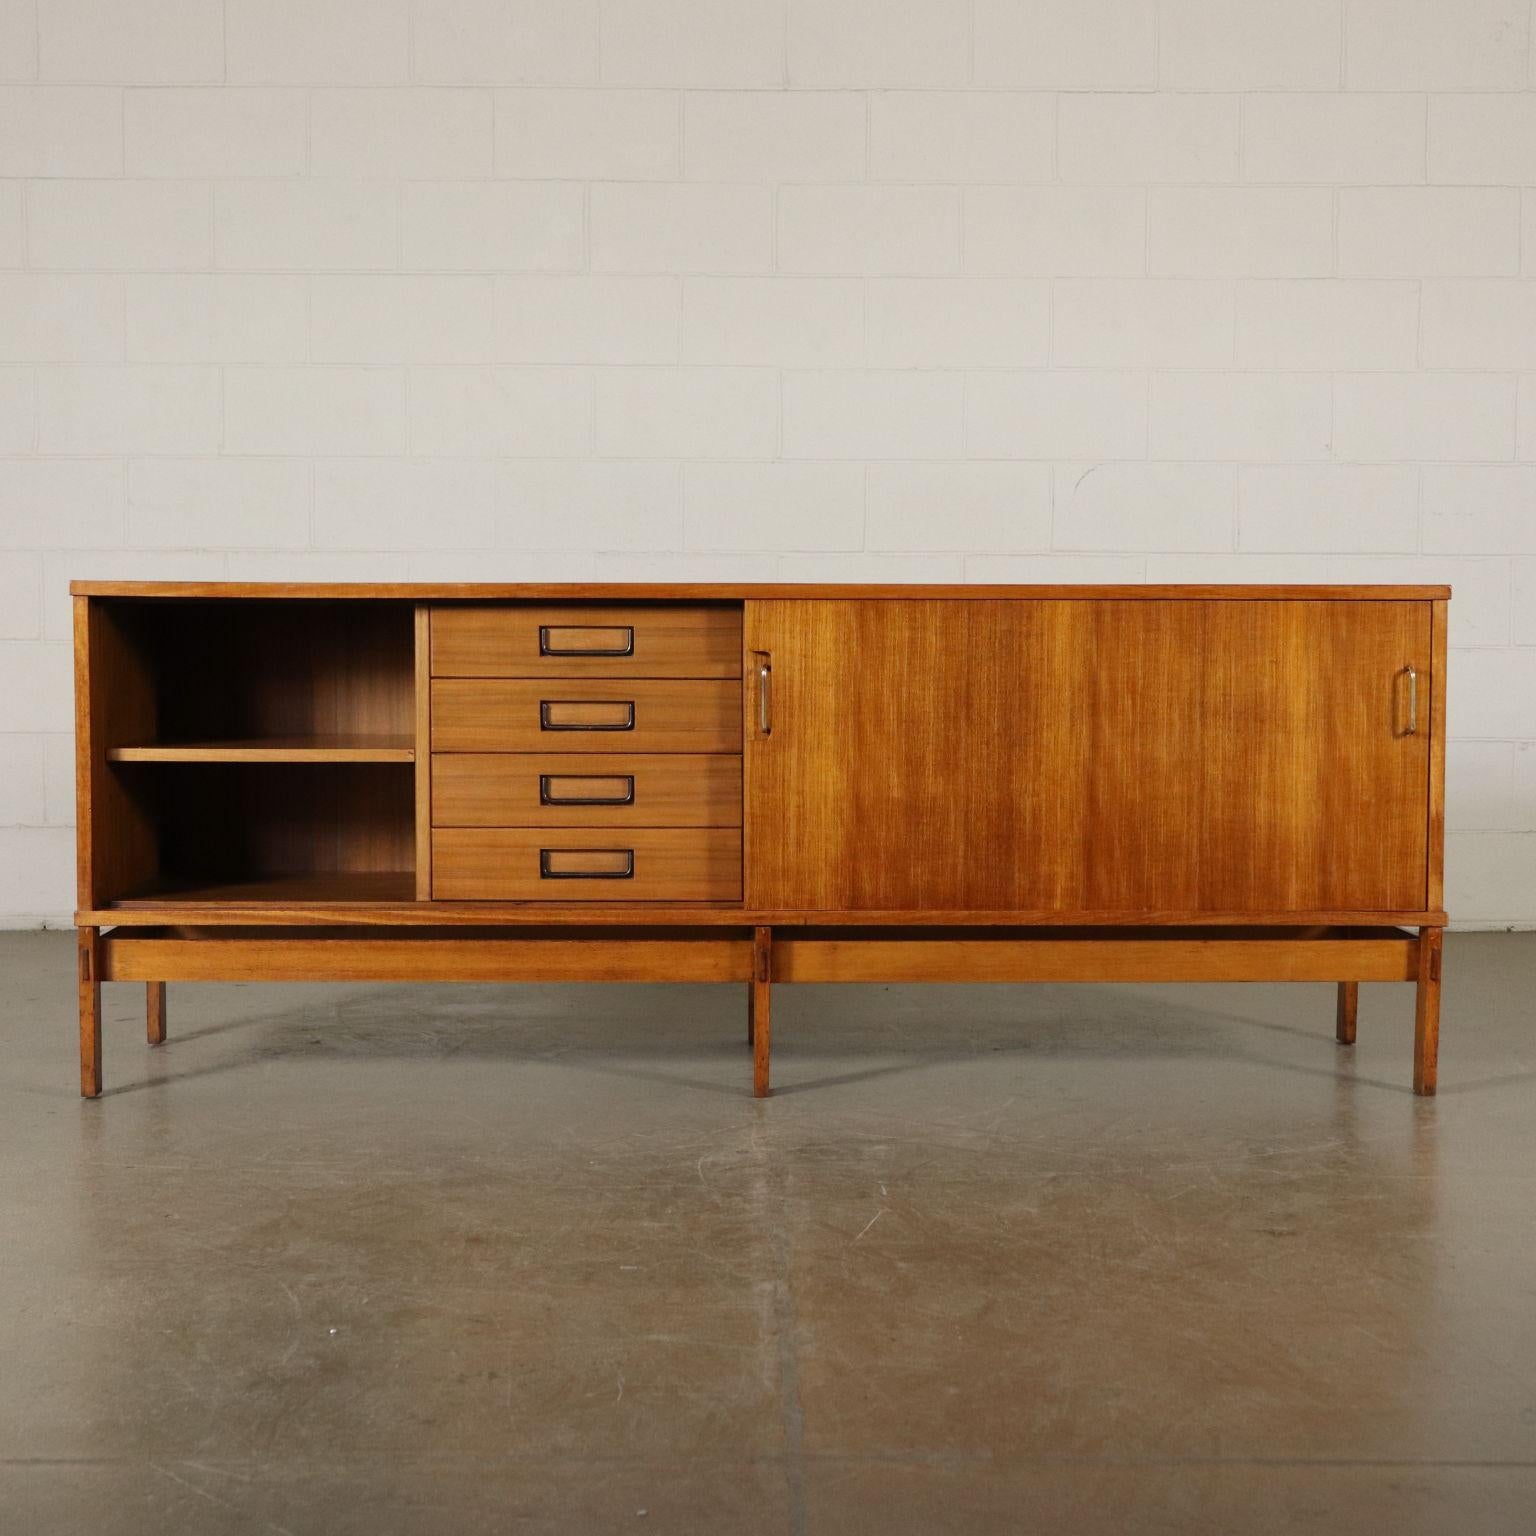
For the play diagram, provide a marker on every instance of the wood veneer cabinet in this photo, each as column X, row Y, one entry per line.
column 762, row 784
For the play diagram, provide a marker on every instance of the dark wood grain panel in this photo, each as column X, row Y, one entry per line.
column 117, row 843
column 1313, row 792
column 231, row 823
column 1087, row 756
column 983, row 756
column 325, row 671
column 1435, row 832
column 421, row 712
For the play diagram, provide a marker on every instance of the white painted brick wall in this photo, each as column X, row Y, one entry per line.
column 988, row 290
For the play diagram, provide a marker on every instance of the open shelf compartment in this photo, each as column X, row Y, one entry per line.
column 202, row 681
column 252, row 752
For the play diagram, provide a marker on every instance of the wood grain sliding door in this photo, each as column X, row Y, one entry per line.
column 1087, row 755
column 1314, row 755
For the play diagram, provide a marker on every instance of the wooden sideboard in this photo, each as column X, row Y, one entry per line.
column 759, row 784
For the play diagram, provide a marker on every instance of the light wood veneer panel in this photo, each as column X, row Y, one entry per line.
column 474, row 789
column 1101, row 958
column 368, row 955
column 662, row 641
column 509, row 715
column 509, row 864
column 748, row 591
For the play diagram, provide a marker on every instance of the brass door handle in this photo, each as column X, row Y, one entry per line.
column 764, row 692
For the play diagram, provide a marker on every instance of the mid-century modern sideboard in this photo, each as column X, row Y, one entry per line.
column 759, row 784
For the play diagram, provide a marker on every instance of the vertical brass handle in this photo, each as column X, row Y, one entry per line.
column 1413, row 700
column 764, row 692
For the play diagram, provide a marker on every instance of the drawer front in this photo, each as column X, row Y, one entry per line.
column 586, row 640
column 568, row 715
column 603, row 864
column 544, row 789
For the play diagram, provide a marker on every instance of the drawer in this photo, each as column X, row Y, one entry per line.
column 535, row 789
column 580, row 715
column 586, row 864
column 586, row 640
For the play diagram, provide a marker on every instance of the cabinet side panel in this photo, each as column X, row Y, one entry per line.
column 85, row 894
column 116, row 838
column 423, row 716
column 756, row 622
column 1439, row 618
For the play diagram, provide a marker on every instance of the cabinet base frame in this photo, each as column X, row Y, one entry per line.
column 760, row 956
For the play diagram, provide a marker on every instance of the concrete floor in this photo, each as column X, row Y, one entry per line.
column 1057, row 1259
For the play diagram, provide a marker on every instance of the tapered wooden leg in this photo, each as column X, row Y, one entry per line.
column 155, row 1011
column 1426, row 1015
column 90, row 1012
column 1349, row 1006
column 761, row 1025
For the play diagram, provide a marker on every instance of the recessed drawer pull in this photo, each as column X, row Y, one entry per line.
column 550, row 794
column 586, row 863
column 586, row 715
column 586, row 640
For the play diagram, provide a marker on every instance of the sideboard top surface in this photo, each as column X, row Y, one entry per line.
column 734, row 592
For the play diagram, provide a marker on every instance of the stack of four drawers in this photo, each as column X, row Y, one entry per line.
column 586, row 753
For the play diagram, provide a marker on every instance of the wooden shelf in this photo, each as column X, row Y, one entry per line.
column 276, row 749
column 319, row 887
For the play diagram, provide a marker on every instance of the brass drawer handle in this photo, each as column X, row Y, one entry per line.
column 625, row 871
column 547, row 721
column 548, row 796
column 570, row 640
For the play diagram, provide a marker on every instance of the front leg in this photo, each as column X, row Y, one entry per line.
column 88, row 957
column 760, row 1022
column 154, row 992
column 1426, row 1013
column 1349, row 1007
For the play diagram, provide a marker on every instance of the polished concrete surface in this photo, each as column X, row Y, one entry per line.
column 1056, row 1259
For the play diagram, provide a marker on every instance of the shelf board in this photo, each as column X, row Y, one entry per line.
column 274, row 749
column 322, row 887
